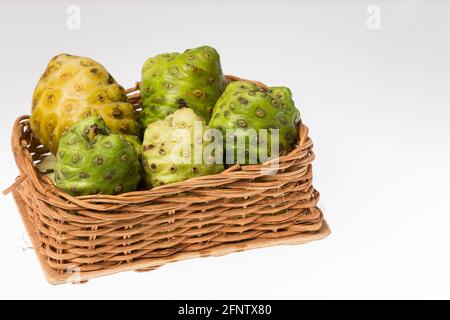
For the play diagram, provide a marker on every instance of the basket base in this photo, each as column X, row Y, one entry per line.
column 55, row 278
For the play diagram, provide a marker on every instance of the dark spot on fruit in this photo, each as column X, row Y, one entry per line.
column 68, row 107
column 98, row 160
column 50, row 125
column 275, row 103
column 284, row 120
column 182, row 103
column 168, row 85
column 148, row 147
column 242, row 100
column 75, row 158
column 65, row 76
column 124, row 157
column 107, row 144
column 124, row 128
column 65, row 173
column 162, row 151
column 117, row 113
column 242, row 123
column 209, row 109
column 260, row 113
column 71, row 141
column 198, row 93
column 84, row 175
column 51, row 98
column 118, row 188
column 85, row 64
column 194, row 169
column 93, row 70
column 153, row 166
column 109, row 175
column 173, row 169
column 194, row 69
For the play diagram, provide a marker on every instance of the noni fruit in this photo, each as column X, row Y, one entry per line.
column 72, row 88
column 171, row 81
column 244, row 109
column 179, row 148
column 93, row 160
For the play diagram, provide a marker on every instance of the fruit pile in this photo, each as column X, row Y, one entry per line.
column 193, row 122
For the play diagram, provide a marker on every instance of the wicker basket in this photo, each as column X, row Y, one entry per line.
column 80, row 238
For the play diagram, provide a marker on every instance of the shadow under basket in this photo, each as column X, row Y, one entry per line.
column 242, row 208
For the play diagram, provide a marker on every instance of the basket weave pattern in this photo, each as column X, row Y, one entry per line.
column 98, row 232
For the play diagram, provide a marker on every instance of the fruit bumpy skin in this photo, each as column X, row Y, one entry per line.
column 245, row 106
column 168, row 154
column 171, row 81
column 72, row 88
column 92, row 160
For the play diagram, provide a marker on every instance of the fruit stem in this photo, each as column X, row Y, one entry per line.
column 92, row 132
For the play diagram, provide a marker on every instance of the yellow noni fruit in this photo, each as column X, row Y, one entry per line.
column 72, row 88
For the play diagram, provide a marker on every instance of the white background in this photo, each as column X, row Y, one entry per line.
column 377, row 103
